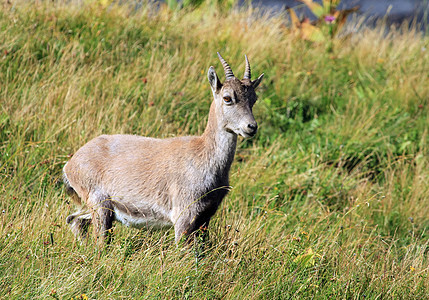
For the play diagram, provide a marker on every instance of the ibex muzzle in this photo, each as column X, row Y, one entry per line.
column 148, row 182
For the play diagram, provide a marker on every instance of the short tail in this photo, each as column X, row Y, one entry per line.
column 70, row 190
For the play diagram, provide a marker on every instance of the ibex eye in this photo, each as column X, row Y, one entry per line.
column 227, row 99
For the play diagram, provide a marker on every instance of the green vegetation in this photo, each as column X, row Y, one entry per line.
column 331, row 199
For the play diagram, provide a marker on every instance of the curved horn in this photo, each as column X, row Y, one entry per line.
column 226, row 68
column 247, row 72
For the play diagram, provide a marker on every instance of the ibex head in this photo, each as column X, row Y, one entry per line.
column 234, row 99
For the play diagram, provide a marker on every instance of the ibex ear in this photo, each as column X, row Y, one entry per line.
column 256, row 82
column 214, row 80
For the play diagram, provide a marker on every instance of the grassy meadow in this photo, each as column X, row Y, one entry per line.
column 329, row 201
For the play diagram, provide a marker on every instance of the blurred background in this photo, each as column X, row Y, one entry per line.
column 394, row 11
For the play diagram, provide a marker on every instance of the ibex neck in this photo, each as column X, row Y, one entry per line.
column 219, row 145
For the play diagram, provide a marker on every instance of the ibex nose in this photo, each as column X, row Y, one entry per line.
column 253, row 127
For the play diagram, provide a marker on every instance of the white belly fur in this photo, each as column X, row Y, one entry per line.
column 140, row 222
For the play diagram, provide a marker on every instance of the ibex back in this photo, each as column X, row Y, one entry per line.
column 148, row 182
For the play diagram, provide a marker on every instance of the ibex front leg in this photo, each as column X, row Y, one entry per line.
column 184, row 229
column 194, row 223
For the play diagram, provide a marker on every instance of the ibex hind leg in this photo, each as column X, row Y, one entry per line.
column 70, row 190
column 103, row 215
column 79, row 223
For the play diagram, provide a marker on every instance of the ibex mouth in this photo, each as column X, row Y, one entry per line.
column 247, row 134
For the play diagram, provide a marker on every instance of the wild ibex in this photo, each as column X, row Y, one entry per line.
column 148, row 182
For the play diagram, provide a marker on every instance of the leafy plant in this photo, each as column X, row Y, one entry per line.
column 329, row 20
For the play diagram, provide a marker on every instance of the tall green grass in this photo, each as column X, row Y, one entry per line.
column 330, row 200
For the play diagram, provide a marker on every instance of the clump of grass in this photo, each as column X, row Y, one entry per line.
column 329, row 200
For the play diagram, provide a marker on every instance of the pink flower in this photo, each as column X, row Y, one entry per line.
column 329, row 19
